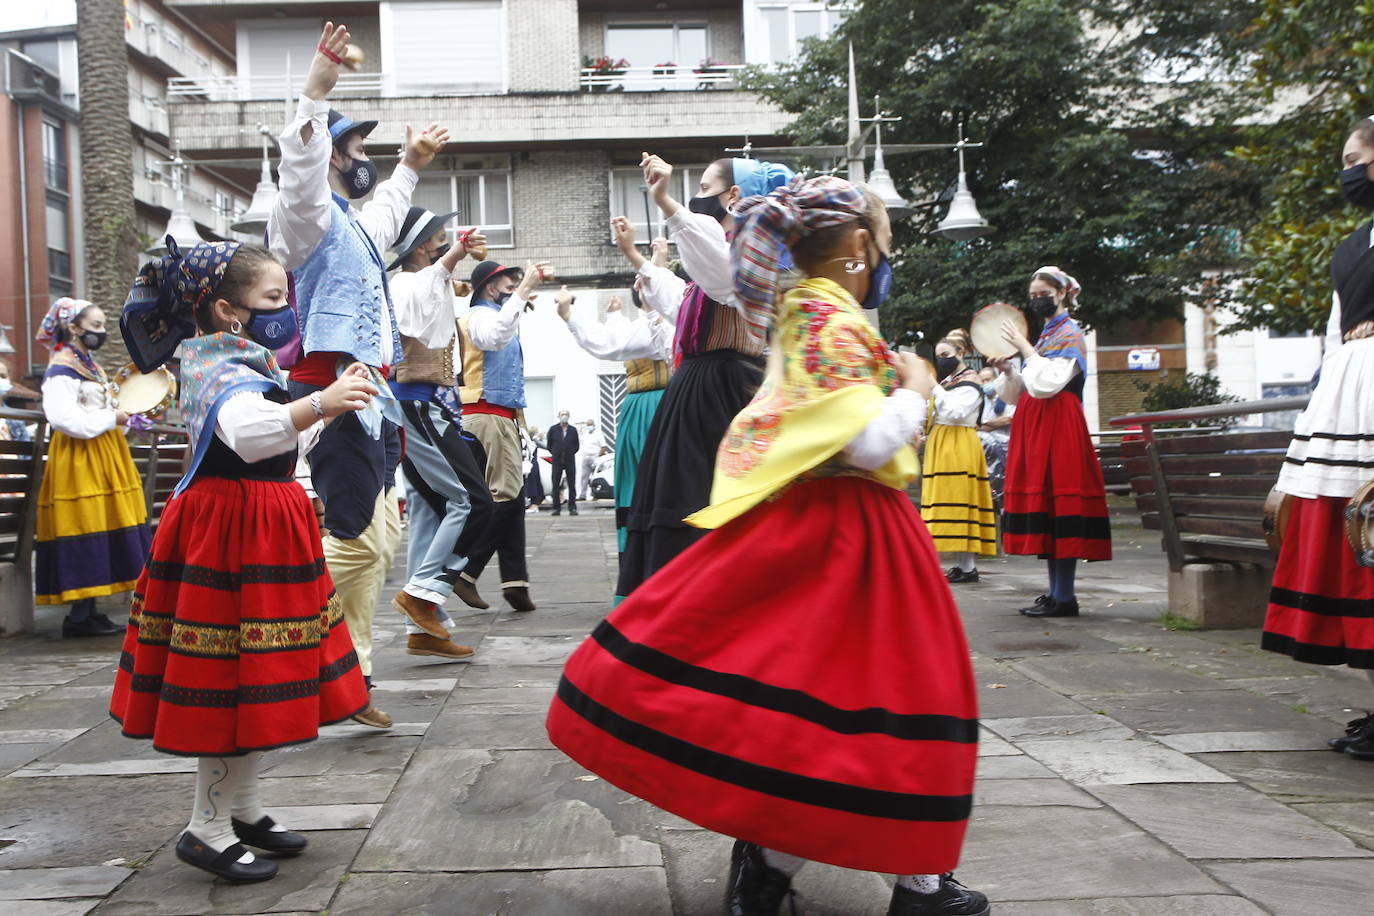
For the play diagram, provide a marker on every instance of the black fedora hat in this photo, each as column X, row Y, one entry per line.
column 341, row 126
column 484, row 273
column 418, row 227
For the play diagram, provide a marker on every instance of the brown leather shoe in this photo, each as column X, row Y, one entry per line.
column 467, row 592
column 518, row 598
column 424, row 614
column 374, row 717
column 424, row 644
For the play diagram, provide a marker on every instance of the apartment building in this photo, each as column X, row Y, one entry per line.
column 41, row 253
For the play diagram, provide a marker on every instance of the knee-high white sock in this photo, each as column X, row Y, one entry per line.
column 213, row 803
column 966, row 562
column 244, row 775
column 921, row 884
column 784, row 862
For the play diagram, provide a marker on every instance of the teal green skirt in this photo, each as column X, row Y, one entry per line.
column 636, row 415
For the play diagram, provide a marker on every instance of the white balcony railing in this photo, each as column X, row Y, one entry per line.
column 660, row 79
column 276, row 86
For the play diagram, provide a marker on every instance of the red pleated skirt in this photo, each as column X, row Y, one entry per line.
column 1055, row 501
column 797, row 679
column 236, row 641
column 1321, row 606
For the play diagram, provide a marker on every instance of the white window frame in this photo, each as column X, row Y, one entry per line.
column 244, row 39
column 829, row 22
column 387, row 28
column 463, row 219
column 687, row 177
column 634, row 22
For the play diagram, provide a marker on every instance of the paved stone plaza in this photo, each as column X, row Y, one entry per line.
column 1125, row 770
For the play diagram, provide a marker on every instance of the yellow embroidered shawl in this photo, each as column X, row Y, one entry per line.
column 828, row 374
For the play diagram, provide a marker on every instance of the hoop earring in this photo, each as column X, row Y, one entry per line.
column 236, row 327
column 855, row 266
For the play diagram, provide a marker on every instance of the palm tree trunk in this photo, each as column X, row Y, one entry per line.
column 107, row 172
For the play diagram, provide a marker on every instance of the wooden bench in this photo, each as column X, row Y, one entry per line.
column 159, row 455
column 1204, row 491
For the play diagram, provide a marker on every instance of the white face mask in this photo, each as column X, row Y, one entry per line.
column 5, row 386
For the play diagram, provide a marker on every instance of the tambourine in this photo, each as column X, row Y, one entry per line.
column 986, row 329
column 1277, row 506
column 1359, row 524
column 146, row 394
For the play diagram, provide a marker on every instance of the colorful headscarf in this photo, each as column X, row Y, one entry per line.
column 1063, row 338
column 766, row 226
column 755, row 177
column 160, row 311
column 214, row 368
column 1067, row 283
column 60, row 314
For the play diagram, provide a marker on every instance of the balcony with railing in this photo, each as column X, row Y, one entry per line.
column 270, row 87
column 616, row 76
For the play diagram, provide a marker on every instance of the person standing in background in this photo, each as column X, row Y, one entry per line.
column 564, row 444
column 591, row 447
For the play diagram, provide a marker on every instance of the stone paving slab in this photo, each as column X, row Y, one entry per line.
column 578, row 892
column 1031, row 792
column 136, row 767
column 354, row 789
column 1300, row 775
column 305, row 883
column 369, row 754
column 22, row 674
column 473, row 727
column 1021, row 767
column 484, row 677
column 56, row 883
column 44, row 709
column 1354, row 819
column 14, row 756
column 325, row 817
column 1337, row 699
column 1136, row 906
column 1217, row 742
column 477, row 810
column 1227, row 822
column 89, row 820
column 75, row 907
column 1060, row 853
column 1089, row 762
column 1131, row 673
column 1097, row 727
column 1301, row 887
column 40, row 735
column 1223, row 709
column 990, row 745
column 528, row 650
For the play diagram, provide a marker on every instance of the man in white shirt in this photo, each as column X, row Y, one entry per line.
column 591, row 448
column 345, row 315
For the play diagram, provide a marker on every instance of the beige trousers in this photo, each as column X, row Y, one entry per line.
column 359, row 566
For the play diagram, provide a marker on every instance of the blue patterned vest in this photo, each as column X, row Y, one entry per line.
column 340, row 290
column 494, row 376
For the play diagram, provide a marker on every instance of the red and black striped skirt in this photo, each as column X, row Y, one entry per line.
column 797, row 679
column 1055, row 501
column 1321, row 606
column 236, row 642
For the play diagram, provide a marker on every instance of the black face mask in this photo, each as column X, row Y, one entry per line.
column 945, row 366
column 710, row 205
column 1043, row 307
column 359, row 178
column 1357, row 187
column 440, row 252
column 501, row 298
column 93, row 340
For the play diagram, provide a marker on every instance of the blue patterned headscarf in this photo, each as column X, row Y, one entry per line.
column 756, row 177
column 160, row 311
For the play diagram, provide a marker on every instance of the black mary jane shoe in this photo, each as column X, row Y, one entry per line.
column 952, row 899
column 1053, row 609
column 262, row 836
column 192, row 851
column 957, row 575
column 1356, row 730
column 755, row 888
column 1039, row 603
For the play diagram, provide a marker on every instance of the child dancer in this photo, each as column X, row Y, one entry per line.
column 236, row 641
column 956, row 500
column 761, row 683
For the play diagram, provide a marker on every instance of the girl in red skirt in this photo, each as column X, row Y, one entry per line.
column 799, row 677
column 235, row 643
column 1321, row 607
column 1055, row 501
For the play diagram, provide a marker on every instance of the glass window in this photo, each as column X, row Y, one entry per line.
column 775, row 20
column 645, row 46
column 54, row 156
column 806, row 24
column 57, row 225
column 788, row 24
column 482, row 199
column 436, row 46
column 630, row 199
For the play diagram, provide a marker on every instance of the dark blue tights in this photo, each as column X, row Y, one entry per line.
column 1061, row 578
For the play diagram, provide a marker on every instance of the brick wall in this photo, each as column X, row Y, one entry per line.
column 560, row 201
column 542, row 45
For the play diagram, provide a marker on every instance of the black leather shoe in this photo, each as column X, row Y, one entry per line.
column 91, row 626
column 952, row 899
column 1039, row 603
column 225, row 864
column 1355, row 731
column 556, row 512
column 1054, row 609
column 264, row 837
column 957, row 575
column 572, row 511
column 755, row 888
column 1362, row 749
column 518, row 597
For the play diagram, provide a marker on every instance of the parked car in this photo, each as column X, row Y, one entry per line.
column 603, row 477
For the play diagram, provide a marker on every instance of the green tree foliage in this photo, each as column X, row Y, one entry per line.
column 1174, row 391
column 1313, row 61
column 1085, row 166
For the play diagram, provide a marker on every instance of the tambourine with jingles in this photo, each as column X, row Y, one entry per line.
column 986, row 329
column 1275, row 522
column 146, row 394
column 1359, row 524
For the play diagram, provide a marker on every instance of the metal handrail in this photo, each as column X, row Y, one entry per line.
column 277, row 86
column 652, row 79
column 1212, row 411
